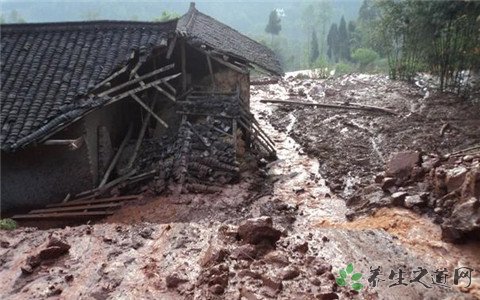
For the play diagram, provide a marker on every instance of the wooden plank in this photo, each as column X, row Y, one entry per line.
column 184, row 66
column 353, row 106
column 229, row 65
column 139, row 101
column 74, row 208
column 64, row 215
column 141, row 88
column 110, row 77
column 210, row 69
column 140, row 137
column 115, row 159
column 169, row 96
column 170, row 87
column 95, row 201
column 136, row 80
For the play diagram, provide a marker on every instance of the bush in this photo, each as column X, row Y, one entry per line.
column 343, row 68
column 7, row 224
column 364, row 57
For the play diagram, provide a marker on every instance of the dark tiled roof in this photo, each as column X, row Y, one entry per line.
column 201, row 29
column 45, row 67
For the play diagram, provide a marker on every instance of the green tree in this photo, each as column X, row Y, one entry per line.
column 364, row 57
column 343, row 40
column 273, row 27
column 314, row 51
column 167, row 16
column 332, row 42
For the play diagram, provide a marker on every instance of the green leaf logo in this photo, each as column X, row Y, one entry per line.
column 343, row 280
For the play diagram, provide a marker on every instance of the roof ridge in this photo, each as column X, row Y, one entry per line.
column 78, row 25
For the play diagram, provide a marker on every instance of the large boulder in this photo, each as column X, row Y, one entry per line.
column 256, row 230
column 401, row 164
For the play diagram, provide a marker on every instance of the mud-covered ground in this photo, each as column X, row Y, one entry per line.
column 281, row 233
column 353, row 145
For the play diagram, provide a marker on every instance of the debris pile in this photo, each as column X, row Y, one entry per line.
column 255, row 260
column 448, row 188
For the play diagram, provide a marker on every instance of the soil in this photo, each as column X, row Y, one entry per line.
column 192, row 246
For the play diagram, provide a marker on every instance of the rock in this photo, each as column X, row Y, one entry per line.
column 290, row 273
column 465, row 219
column 330, row 92
column 327, row 296
column 173, row 280
column 399, row 197
column 249, row 273
column 388, row 183
column 244, row 293
column 244, row 252
column 272, row 283
column 322, row 269
column 378, row 178
column 455, row 178
column 27, row 269
column 217, row 289
column 431, row 163
column 401, row 164
column 213, row 256
column 55, row 248
column 301, row 92
column 411, row 201
column 276, row 257
column 302, row 248
column 467, row 158
column 146, row 233
column 253, row 231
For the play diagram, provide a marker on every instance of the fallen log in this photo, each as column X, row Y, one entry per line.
column 350, row 106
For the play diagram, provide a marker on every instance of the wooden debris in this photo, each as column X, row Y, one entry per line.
column 96, row 201
column 63, row 215
column 139, row 101
column 352, row 106
column 74, row 208
column 115, row 159
column 264, row 82
column 136, row 80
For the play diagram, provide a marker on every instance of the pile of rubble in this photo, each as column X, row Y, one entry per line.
column 254, row 260
column 207, row 151
column 447, row 188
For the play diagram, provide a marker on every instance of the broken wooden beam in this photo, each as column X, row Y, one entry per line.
column 136, row 80
column 74, row 208
column 141, row 134
column 85, row 214
column 162, row 91
column 73, row 144
column 139, row 101
column 95, row 201
column 183, row 58
column 351, row 106
column 141, row 88
column 115, row 159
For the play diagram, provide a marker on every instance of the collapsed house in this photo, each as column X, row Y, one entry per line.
column 88, row 107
